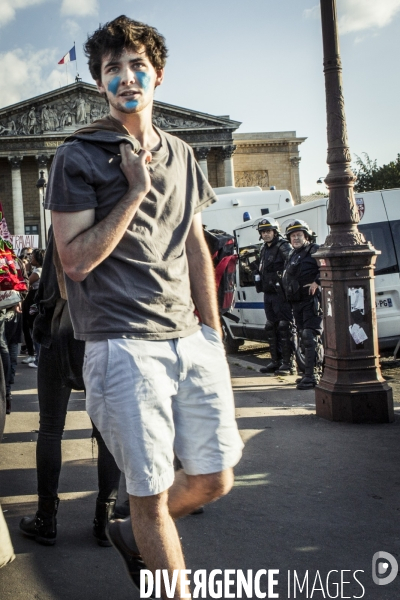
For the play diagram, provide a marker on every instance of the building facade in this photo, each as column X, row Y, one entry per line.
column 31, row 131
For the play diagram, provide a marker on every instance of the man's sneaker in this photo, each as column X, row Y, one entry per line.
column 33, row 365
column 131, row 557
column 27, row 360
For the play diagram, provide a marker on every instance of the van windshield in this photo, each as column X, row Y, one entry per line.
column 380, row 236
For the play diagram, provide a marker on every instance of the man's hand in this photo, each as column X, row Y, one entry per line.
column 83, row 244
column 134, row 168
column 202, row 276
column 313, row 288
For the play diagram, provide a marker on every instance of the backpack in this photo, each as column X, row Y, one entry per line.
column 222, row 248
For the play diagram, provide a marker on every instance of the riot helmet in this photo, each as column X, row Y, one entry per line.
column 299, row 225
column 266, row 224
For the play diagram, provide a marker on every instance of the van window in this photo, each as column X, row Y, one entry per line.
column 380, row 236
column 249, row 258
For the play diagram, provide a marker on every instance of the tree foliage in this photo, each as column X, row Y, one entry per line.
column 371, row 177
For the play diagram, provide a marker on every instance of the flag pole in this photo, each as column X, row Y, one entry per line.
column 76, row 61
column 66, row 71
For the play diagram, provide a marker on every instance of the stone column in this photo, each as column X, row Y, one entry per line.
column 17, row 199
column 226, row 154
column 295, row 178
column 45, row 215
column 201, row 155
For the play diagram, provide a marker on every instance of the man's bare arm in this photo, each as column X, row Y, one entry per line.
column 202, row 276
column 83, row 245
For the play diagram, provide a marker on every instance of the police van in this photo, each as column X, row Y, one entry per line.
column 234, row 202
column 380, row 224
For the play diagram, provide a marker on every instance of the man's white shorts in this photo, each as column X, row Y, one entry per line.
column 151, row 398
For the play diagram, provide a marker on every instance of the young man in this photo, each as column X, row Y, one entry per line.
column 129, row 234
column 278, row 328
column 302, row 288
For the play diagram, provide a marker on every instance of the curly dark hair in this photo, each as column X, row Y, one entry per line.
column 122, row 32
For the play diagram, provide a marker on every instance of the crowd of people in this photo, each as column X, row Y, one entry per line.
column 16, row 322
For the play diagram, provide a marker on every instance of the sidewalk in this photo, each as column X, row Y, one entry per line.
column 309, row 495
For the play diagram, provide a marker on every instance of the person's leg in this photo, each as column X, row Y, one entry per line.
column 27, row 336
column 156, row 536
column 312, row 329
column 37, row 352
column 190, row 491
column 109, row 476
column 53, row 401
column 271, row 334
column 13, row 350
column 5, row 359
column 284, row 318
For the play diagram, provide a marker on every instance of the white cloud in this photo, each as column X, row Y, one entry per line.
column 8, row 8
column 79, row 8
column 72, row 27
column 358, row 15
column 24, row 74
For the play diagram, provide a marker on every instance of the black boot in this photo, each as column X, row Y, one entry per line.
column 104, row 513
column 310, row 343
column 271, row 337
column 43, row 525
column 8, row 404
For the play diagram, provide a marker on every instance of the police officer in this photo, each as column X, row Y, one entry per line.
column 278, row 327
column 302, row 289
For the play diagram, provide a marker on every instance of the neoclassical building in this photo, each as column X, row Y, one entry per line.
column 31, row 131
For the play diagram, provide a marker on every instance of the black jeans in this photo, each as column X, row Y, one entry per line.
column 53, row 402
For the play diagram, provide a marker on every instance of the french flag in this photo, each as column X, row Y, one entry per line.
column 71, row 55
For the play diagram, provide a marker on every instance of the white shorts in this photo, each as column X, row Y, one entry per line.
column 150, row 399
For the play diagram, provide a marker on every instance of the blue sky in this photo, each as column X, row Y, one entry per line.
column 259, row 61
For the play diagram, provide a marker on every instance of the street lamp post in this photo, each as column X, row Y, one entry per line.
column 352, row 388
column 41, row 185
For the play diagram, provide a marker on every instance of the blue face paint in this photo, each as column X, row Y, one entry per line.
column 131, row 104
column 113, row 85
column 143, row 79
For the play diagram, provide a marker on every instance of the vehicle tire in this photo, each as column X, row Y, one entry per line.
column 231, row 344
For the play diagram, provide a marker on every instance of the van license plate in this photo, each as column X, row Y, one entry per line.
column 384, row 303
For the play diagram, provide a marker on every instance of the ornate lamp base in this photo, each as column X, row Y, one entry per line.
column 352, row 388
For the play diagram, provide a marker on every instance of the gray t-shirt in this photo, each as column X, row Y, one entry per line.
column 142, row 289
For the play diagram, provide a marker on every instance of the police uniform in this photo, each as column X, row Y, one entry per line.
column 278, row 328
column 301, row 270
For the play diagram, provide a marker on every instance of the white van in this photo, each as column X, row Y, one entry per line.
column 380, row 224
column 233, row 203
